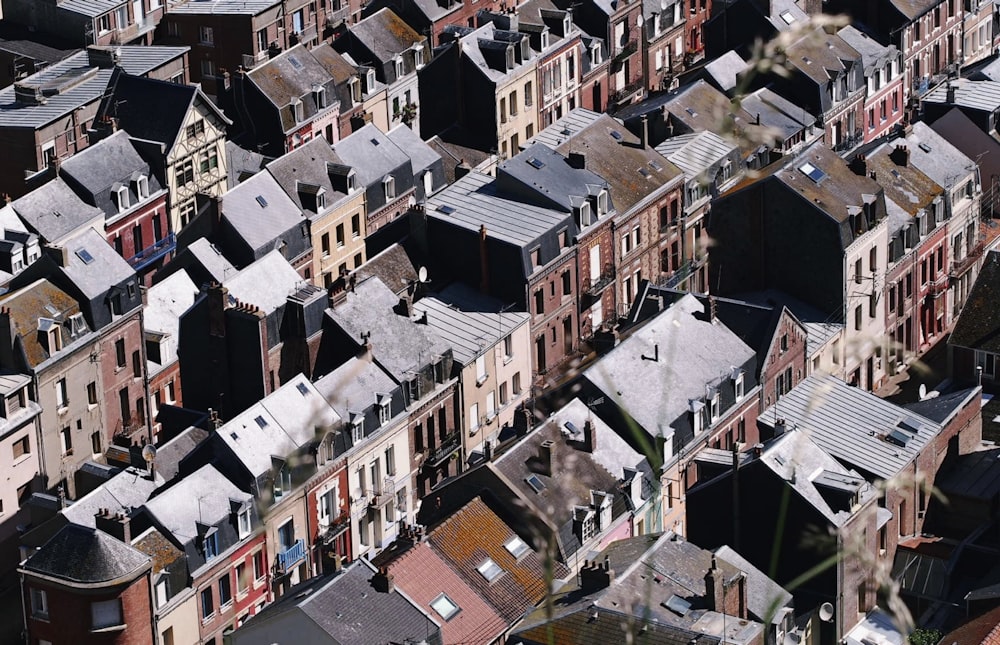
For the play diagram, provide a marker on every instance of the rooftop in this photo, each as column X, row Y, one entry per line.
column 203, row 497
column 54, row 211
column 166, row 302
column 86, row 556
column 244, row 7
column 266, row 283
column 371, row 153
column 979, row 320
column 385, row 34
column 260, row 212
column 974, row 95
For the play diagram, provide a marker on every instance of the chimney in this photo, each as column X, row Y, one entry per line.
column 462, row 169
column 949, row 94
column 711, row 310
column 26, row 94
column 589, row 436
column 594, row 575
column 860, row 165
column 6, row 337
column 484, row 261
column 900, row 155
column 217, row 297
column 382, row 581
column 577, row 160
column 715, row 587
column 114, row 524
column 546, row 457
column 644, row 136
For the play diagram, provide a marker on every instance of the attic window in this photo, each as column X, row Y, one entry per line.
column 142, row 186
column 655, row 166
column 261, row 422
column 677, row 605
column 516, row 546
column 812, row 172
column 898, row 438
column 444, row 606
column 122, row 198
column 923, row 146
column 691, row 111
column 355, row 86
column 489, row 570
column 418, row 56
column 260, row 200
column 787, row 17
column 444, row 208
column 595, row 53
column 298, row 110
column 319, row 96
column 389, row 183
column 616, row 135
column 602, row 203
column 536, row 484
column 301, row 387
column 536, row 163
column 545, row 39
column 84, row 256
column 370, row 80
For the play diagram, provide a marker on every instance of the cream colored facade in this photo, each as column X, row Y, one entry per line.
column 338, row 238
column 19, row 451
column 177, row 621
column 374, row 527
column 517, row 118
column 864, row 313
column 376, row 108
column 196, row 163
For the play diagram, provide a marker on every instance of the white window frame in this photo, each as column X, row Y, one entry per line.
column 243, row 525
column 389, row 185
column 206, row 35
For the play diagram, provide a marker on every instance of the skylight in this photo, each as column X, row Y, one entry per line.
column 923, row 146
column 787, row 17
column 516, row 546
column 301, row 387
column 535, row 163
column 898, row 438
column 691, row 111
column 677, row 604
column 812, row 172
column 375, row 142
column 536, row 484
column 444, row 208
column 616, row 135
column 489, row 570
column 444, row 606
column 261, row 422
column 295, row 62
column 260, row 200
column 643, row 172
column 84, row 256
column 655, row 166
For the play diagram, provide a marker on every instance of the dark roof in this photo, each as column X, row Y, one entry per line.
column 159, row 548
column 385, row 34
column 371, row 153
column 940, row 408
column 41, row 299
column 348, row 608
column 392, row 266
column 82, row 555
column 978, row 325
column 958, row 130
column 983, row 630
column 54, row 211
column 910, row 189
column 242, row 163
column 107, row 165
column 306, row 166
column 455, row 154
column 975, row 475
column 289, row 76
column 553, row 180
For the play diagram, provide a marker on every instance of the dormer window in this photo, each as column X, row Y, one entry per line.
column 77, row 325
column 370, row 80
column 583, row 214
column 389, row 184
column 319, row 96
column 602, row 203
column 352, row 181
column 398, row 63
column 357, row 427
column 738, row 385
column 122, row 199
column 282, row 482
column 384, row 409
column 715, row 406
column 298, row 110
column 320, row 200
column 545, row 39
column 418, row 56
column 595, row 53
column 696, row 409
column 510, row 58
column 567, row 24
column 241, row 509
column 49, row 336
column 142, row 186
column 355, row 86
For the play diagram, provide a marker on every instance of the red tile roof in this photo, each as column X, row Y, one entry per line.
column 984, row 630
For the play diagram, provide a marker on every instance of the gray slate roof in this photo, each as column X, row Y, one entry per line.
column 385, row 34
column 239, row 7
column 354, row 386
column 549, row 174
column 212, row 260
column 106, row 269
column 565, row 128
column 477, row 202
column 398, row 343
column 468, row 321
column 86, row 555
column 852, row 425
column 106, row 165
column 260, row 211
column 350, row 610
column 765, row 597
column 873, row 53
column 976, row 95
column 306, row 165
column 371, row 153
column 776, row 112
column 166, row 302
column 126, row 491
column 943, row 163
column 696, row 152
column 54, row 211
column 725, row 69
column 694, row 353
column 266, row 283
column 201, row 497
column 292, row 75
column 421, row 155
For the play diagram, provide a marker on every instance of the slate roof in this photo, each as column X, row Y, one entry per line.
column 82, row 83
column 92, row 8
column 478, row 202
column 765, row 597
column 106, row 165
column 696, row 152
column 695, row 353
column 306, row 165
column 166, row 302
column 266, row 283
column 958, row 130
column 392, row 266
column 104, row 270
column 853, row 425
column 242, row 163
column 210, row 261
column 873, row 53
column 123, row 493
column 453, row 154
column 152, row 109
column 483, row 38
column 470, row 331
column 423, row 575
column 260, row 211
column 399, row 344
column 943, row 162
column 54, row 211
column 244, row 7
column 475, row 532
column 776, row 113
column 371, row 153
column 551, row 176
column 975, row 95
column 633, row 172
column 348, row 608
column 979, row 320
column 563, row 130
column 914, row 8
column 821, row 56
column 725, row 69
column 40, row 299
column 201, row 497
column 385, row 34
column 699, row 106
column 421, row 155
column 292, row 75
column 576, row 472
column 82, row 555
column 354, row 386
column 35, row 51
column 909, row 188
column 819, row 330
column 975, row 475
column 940, row 408
column 170, row 454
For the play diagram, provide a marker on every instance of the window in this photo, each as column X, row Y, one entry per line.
column 241, row 578
column 384, row 414
column 39, row 603
column 444, row 606
column 515, row 383
column 243, row 523
column 356, row 226
column 539, row 302
column 473, row 418
column 142, row 187
column 62, row 395
column 207, row 67
column 508, row 347
column 210, row 544
column 857, row 318
column 162, row 592
column 104, row 23
column 480, row 369
column 184, row 173
column 107, row 613
column 95, row 442
column 489, row 570
column 566, row 283
column 65, row 440
column 259, row 567
column 527, row 94
column 325, row 244
column 225, row 591
column 738, row 386
column 122, row 199
column 389, row 183
column 491, row 405
column 503, row 394
column 206, row 35
column 390, row 461
column 340, row 235
column 207, row 604
column 714, row 407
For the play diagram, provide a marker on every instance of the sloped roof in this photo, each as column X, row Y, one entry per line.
column 203, row 497
column 245, row 7
column 696, row 152
column 260, row 211
column 853, row 425
column 975, row 95
column 166, row 302
column 392, row 266
column 266, row 283
column 909, row 188
column 54, row 211
column 103, row 270
column 979, row 321
column 40, row 299
column 291, row 75
column 306, row 165
column 941, row 161
column 821, row 56
column 475, row 532
column 385, row 34
column 371, row 153
column 561, row 131
column 873, row 53
column 982, row 630
column 123, row 493
column 82, row 555
column 421, row 155
column 958, row 130
column 110, row 163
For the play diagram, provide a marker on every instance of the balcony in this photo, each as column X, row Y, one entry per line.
column 619, row 58
column 443, row 452
column 598, row 284
column 850, row 142
column 960, row 267
column 625, row 94
column 153, row 253
column 291, row 556
column 336, row 528
column 378, row 498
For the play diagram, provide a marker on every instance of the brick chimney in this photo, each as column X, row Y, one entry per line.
column 900, row 155
column 589, row 436
column 217, row 297
column 546, row 457
column 715, row 585
column 383, row 581
column 577, row 160
column 860, row 165
column 595, row 575
column 115, row 524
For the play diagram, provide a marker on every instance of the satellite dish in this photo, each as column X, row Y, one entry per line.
column 638, row 21
column 422, row 274
column 791, row 638
column 826, row 612
column 149, row 453
column 922, row 391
